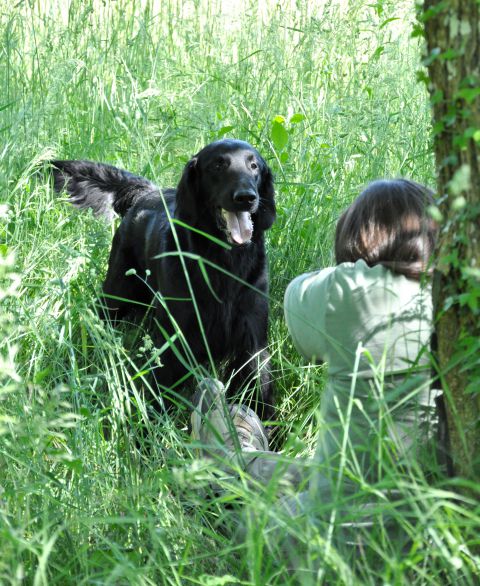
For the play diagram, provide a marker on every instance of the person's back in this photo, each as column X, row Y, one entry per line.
column 373, row 328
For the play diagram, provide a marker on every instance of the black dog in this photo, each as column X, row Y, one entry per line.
column 204, row 271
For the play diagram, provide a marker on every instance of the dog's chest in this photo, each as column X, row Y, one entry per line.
column 220, row 320
column 233, row 292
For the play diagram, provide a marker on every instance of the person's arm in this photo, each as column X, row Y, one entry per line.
column 305, row 305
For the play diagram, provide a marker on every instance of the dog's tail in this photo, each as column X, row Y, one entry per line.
column 103, row 188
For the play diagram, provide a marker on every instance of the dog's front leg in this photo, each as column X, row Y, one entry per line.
column 251, row 382
column 249, row 359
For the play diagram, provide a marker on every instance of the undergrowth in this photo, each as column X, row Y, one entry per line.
column 94, row 488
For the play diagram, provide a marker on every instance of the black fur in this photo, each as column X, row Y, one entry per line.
column 228, row 175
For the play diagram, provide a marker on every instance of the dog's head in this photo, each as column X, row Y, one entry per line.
column 230, row 183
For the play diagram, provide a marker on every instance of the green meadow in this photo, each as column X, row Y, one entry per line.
column 94, row 488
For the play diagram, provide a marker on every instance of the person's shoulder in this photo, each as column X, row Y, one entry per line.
column 312, row 276
column 305, row 304
column 358, row 280
column 307, row 284
column 352, row 275
column 349, row 278
column 347, row 275
column 360, row 273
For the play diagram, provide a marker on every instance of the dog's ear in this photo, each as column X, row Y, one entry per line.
column 187, row 194
column 267, row 212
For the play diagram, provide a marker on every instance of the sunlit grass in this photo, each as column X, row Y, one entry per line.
column 94, row 487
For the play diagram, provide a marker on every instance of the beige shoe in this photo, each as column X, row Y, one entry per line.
column 236, row 438
column 222, row 428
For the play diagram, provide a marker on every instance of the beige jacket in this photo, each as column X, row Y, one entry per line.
column 373, row 329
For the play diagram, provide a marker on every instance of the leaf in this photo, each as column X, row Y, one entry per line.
column 469, row 94
column 296, row 118
column 422, row 77
column 378, row 52
column 471, row 272
column 417, row 31
column 42, row 375
column 5, row 106
column 469, row 133
column 434, row 11
column 205, row 234
column 140, row 373
column 73, row 464
column 279, row 136
column 458, row 203
column 437, row 97
column 385, row 22
column 431, row 57
column 279, row 118
column 438, row 128
column 435, row 213
column 450, row 54
column 224, row 130
column 203, row 270
column 461, row 180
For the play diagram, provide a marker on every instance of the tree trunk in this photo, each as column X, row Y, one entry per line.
column 453, row 60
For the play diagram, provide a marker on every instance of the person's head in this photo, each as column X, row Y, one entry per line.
column 388, row 224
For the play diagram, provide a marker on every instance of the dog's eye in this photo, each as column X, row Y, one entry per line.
column 219, row 164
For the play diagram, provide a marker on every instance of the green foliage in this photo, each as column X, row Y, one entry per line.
column 94, row 487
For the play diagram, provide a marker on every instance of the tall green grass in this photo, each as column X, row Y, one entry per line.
column 93, row 488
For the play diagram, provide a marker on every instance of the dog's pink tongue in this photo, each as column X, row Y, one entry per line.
column 240, row 226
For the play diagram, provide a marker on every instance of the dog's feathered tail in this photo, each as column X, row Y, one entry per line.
column 103, row 188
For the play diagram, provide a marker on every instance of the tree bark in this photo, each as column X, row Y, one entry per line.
column 452, row 32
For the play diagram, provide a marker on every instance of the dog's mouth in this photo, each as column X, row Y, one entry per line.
column 238, row 226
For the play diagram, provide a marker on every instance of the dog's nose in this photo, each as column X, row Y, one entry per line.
column 245, row 196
